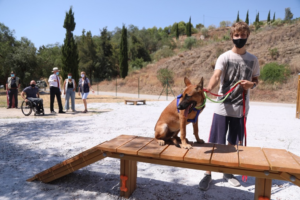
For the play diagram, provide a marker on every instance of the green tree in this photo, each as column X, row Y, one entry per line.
column 137, row 49
column 222, row 24
column 7, row 44
column 273, row 18
column 238, row 17
column 268, row 19
column 189, row 28
column 190, row 42
column 199, row 26
column 24, row 61
column 247, row 18
column 123, row 58
column 88, row 59
column 257, row 18
column 288, row 15
column 177, row 32
column 69, row 49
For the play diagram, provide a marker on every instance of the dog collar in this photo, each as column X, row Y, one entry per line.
column 197, row 109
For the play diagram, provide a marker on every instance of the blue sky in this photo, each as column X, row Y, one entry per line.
column 41, row 21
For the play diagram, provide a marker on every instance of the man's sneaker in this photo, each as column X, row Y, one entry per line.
column 53, row 112
column 231, row 180
column 204, row 183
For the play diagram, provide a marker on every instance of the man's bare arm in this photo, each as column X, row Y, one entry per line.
column 214, row 80
column 249, row 84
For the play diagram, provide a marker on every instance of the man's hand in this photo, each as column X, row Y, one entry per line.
column 26, row 100
column 64, row 93
column 54, row 80
column 247, row 84
column 78, row 93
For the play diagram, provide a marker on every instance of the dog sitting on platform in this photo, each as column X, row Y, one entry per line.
column 180, row 112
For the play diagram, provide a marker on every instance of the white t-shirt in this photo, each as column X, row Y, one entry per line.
column 234, row 68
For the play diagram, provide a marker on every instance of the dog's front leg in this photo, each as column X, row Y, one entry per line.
column 196, row 132
column 183, row 123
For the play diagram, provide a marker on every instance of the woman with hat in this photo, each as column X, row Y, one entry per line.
column 55, row 90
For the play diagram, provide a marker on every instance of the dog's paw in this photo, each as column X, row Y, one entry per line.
column 186, row 146
column 200, row 141
column 161, row 142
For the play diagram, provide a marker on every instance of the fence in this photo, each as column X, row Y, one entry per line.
column 298, row 99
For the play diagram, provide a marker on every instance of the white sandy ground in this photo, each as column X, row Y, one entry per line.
column 31, row 145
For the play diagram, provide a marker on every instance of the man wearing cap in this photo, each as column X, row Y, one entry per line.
column 12, row 85
column 54, row 83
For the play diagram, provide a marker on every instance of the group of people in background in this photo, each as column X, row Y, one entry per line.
column 69, row 90
column 69, row 86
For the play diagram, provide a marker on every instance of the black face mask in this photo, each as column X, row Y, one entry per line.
column 239, row 43
column 32, row 85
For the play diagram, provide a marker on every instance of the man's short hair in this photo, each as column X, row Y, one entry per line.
column 239, row 27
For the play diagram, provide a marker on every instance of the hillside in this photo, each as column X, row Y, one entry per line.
column 199, row 62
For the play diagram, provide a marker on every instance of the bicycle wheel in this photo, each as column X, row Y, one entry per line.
column 26, row 108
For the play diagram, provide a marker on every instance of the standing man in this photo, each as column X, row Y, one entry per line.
column 232, row 66
column 54, row 83
column 13, row 85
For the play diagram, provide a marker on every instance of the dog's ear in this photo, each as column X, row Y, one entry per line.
column 187, row 81
column 200, row 85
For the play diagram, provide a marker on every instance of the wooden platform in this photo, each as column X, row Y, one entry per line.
column 135, row 101
column 263, row 163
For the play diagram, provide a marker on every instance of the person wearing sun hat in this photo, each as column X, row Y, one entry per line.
column 55, row 90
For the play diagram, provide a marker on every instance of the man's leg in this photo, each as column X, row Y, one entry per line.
column 15, row 94
column 59, row 100
column 217, row 135
column 10, row 96
column 235, row 135
column 52, row 95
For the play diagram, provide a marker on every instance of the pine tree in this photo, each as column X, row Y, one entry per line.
column 273, row 18
column 177, row 32
column 268, row 20
column 123, row 58
column 69, row 49
column 238, row 17
column 257, row 18
column 247, row 18
column 189, row 28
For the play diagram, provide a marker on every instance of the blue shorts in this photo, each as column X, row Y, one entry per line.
column 84, row 95
column 221, row 124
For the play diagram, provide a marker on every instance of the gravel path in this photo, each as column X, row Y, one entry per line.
column 31, row 145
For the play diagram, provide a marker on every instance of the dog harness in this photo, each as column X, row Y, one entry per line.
column 194, row 109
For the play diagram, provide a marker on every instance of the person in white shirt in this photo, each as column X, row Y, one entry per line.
column 54, row 83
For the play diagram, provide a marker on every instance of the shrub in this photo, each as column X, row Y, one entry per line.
column 212, row 27
column 190, row 42
column 273, row 72
column 164, row 52
column 219, row 51
column 277, row 22
column 138, row 63
column 204, row 31
column 273, row 53
column 165, row 75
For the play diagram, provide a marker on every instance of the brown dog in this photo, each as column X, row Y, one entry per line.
column 179, row 113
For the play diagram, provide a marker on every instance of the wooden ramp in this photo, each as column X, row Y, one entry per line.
column 263, row 163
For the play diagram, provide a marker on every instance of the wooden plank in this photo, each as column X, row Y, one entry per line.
column 225, row 155
column 128, row 168
column 298, row 99
column 253, row 158
column 113, row 144
column 262, row 188
column 153, row 149
column 282, row 161
column 134, row 145
column 198, row 166
column 297, row 158
column 287, row 177
column 200, row 153
column 173, row 153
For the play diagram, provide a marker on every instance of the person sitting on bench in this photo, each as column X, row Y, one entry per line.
column 32, row 94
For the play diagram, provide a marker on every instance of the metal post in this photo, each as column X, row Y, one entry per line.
column 98, row 89
column 167, row 88
column 139, row 87
column 116, row 85
column 298, row 99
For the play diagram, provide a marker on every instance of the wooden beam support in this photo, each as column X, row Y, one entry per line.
column 128, row 169
column 262, row 189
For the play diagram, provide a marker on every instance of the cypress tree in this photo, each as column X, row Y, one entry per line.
column 123, row 57
column 177, row 32
column 273, row 18
column 257, row 17
column 247, row 18
column 268, row 20
column 69, row 49
column 238, row 17
column 188, row 28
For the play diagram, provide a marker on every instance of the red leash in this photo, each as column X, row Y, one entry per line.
column 244, row 178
